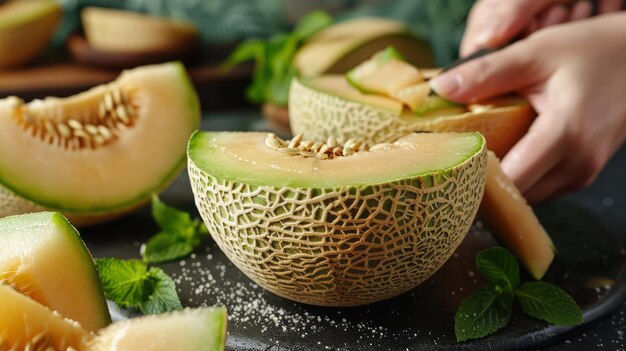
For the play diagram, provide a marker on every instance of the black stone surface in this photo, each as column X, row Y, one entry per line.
column 588, row 229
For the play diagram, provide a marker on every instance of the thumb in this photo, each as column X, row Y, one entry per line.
column 506, row 70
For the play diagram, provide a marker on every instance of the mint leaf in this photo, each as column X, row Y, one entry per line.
column 172, row 220
column 163, row 297
column 165, row 247
column 123, row 281
column 312, row 23
column 130, row 284
column 550, row 303
column 251, row 49
column 499, row 267
column 482, row 313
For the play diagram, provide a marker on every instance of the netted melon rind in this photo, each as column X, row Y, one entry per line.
column 343, row 246
column 319, row 115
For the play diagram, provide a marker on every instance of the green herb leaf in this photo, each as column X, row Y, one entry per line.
column 130, row 284
column 499, row 267
column 312, row 23
column 163, row 297
column 251, row 49
column 172, row 220
column 550, row 303
column 123, row 281
column 482, row 313
column 165, row 247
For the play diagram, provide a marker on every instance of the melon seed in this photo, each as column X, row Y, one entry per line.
column 64, row 130
column 108, row 102
column 289, row 150
column 332, row 142
column 117, row 97
column 296, row 141
column 74, row 124
column 91, row 129
column 102, row 111
column 121, row 114
column 272, row 143
column 105, row 132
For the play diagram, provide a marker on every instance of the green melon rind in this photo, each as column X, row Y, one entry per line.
column 30, row 203
column 22, row 223
column 333, row 246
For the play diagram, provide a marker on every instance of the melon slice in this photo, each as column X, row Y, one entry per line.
column 327, row 105
column 337, row 223
column 513, row 222
column 100, row 153
column 43, row 257
column 25, row 29
column 126, row 31
column 342, row 46
column 385, row 73
column 201, row 329
column 28, row 325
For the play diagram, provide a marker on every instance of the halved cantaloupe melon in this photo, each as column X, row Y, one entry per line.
column 342, row 46
column 329, row 105
column 28, row 325
column 513, row 222
column 125, row 31
column 337, row 224
column 43, row 257
column 100, row 153
column 26, row 27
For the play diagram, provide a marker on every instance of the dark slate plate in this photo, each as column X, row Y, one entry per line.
column 591, row 266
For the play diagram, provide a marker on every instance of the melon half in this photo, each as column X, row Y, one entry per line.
column 337, row 223
column 329, row 105
column 100, row 153
column 26, row 27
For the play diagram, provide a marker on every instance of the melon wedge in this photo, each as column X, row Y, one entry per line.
column 101, row 153
column 25, row 29
column 513, row 222
column 337, row 223
column 42, row 256
column 125, row 31
column 201, row 329
column 342, row 46
column 328, row 105
column 28, row 325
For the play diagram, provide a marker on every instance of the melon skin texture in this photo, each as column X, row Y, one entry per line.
column 341, row 245
column 43, row 256
column 505, row 211
column 90, row 182
column 28, row 325
column 126, row 31
column 319, row 114
column 25, row 29
column 342, row 46
column 200, row 329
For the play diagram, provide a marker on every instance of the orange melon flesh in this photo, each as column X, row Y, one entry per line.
column 27, row 325
column 513, row 222
column 69, row 176
column 201, row 329
column 42, row 256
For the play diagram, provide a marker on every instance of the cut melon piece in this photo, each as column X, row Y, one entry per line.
column 340, row 47
column 385, row 78
column 25, row 29
column 28, row 325
column 332, row 223
column 43, row 257
column 514, row 223
column 439, row 106
column 325, row 106
column 125, row 31
column 413, row 96
column 201, row 329
column 100, row 153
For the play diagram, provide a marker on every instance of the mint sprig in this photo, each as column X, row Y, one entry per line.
column 130, row 284
column 489, row 307
column 180, row 235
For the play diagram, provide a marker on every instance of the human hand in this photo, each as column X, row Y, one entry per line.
column 492, row 23
column 574, row 75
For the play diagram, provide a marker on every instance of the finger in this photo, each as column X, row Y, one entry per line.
column 580, row 10
column 606, row 6
column 494, row 22
column 548, row 187
column 500, row 72
column 554, row 15
column 536, row 153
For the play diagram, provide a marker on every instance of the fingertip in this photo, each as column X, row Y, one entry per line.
column 447, row 84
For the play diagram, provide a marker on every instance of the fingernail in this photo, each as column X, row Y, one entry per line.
column 488, row 34
column 447, row 84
